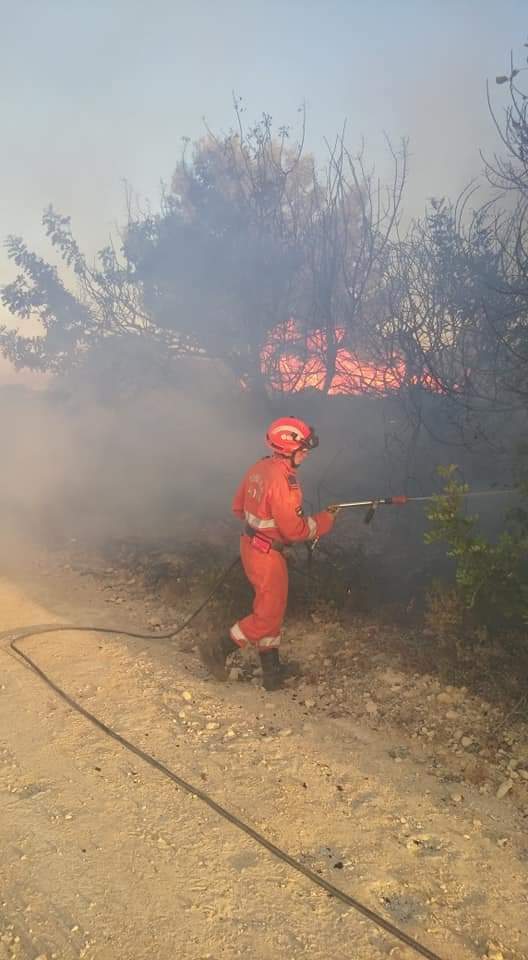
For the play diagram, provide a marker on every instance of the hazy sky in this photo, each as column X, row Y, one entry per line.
column 94, row 93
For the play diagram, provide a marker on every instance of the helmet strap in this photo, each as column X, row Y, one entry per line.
column 289, row 457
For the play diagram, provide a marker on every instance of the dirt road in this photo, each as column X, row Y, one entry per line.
column 104, row 859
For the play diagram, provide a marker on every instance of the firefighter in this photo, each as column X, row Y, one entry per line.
column 269, row 502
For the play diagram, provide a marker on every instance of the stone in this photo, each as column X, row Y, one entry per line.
column 504, row 788
column 493, row 952
column 444, row 697
column 187, row 695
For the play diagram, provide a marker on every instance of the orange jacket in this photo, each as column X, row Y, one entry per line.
column 270, row 500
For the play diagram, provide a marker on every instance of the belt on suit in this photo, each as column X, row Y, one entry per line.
column 262, row 543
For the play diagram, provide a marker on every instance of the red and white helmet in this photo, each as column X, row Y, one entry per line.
column 287, row 435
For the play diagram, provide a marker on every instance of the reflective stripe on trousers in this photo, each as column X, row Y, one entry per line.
column 242, row 641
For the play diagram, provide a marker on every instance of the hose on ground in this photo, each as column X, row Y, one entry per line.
column 15, row 638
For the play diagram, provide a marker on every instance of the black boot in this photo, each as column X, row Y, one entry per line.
column 214, row 654
column 271, row 669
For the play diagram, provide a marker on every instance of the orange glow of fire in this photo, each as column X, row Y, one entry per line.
column 292, row 364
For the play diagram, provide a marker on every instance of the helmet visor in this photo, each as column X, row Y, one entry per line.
column 311, row 442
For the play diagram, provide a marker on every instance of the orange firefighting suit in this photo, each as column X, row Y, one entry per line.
column 269, row 500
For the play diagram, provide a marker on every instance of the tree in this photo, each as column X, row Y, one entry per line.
column 209, row 275
column 221, row 260
column 458, row 283
column 329, row 339
column 107, row 303
column 252, row 246
column 508, row 176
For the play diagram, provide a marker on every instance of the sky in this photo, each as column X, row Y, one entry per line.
column 98, row 94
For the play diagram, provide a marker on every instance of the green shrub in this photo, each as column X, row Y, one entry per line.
column 491, row 578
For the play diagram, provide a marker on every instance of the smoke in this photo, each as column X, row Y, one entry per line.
column 161, row 466
column 146, row 466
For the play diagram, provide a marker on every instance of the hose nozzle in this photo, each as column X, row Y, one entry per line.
column 371, row 511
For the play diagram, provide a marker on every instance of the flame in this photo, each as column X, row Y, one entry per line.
column 292, row 363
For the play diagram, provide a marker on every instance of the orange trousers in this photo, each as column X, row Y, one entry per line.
column 268, row 575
